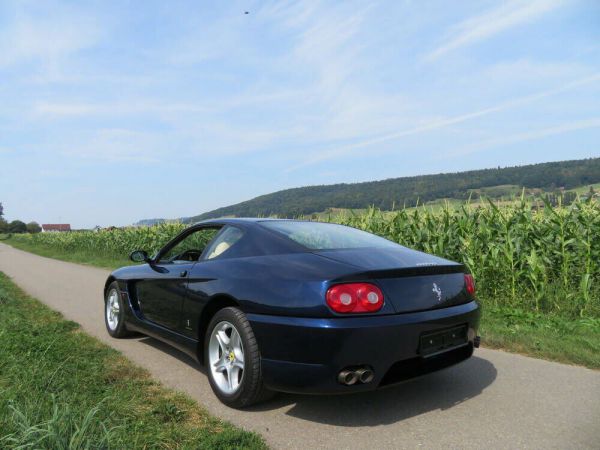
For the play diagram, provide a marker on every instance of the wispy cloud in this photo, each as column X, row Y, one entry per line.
column 116, row 145
column 119, row 108
column 443, row 123
column 523, row 70
column 478, row 28
column 97, row 107
column 329, row 56
column 554, row 130
column 46, row 35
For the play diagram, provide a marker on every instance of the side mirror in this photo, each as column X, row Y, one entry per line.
column 139, row 256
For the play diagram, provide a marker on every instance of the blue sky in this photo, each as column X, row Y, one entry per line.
column 112, row 112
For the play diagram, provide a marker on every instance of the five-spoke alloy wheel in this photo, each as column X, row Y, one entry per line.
column 226, row 357
column 113, row 309
column 114, row 313
column 232, row 359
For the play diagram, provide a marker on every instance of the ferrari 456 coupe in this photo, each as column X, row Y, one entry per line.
column 272, row 305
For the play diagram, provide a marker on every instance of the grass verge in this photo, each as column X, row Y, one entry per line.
column 80, row 257
column 553, row 337
column 60, row 388
column 561, row 339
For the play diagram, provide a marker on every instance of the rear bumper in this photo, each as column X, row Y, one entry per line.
column 305, row 355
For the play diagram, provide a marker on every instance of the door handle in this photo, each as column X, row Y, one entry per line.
column 183, row 273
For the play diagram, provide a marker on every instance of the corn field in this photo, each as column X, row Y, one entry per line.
column 544, row 259
column 115, row 243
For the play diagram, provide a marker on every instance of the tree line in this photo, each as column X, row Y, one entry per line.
column 17, row 226
column 410, row 191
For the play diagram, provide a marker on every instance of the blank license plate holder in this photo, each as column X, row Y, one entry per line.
column 435, row 342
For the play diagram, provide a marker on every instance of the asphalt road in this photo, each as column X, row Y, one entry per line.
column 495, row 399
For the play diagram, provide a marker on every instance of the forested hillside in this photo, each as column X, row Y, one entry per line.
column 408, row 191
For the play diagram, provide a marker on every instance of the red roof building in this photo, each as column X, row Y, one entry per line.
column 56, row 227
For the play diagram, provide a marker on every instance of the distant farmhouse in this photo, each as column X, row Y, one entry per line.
column 55, row 227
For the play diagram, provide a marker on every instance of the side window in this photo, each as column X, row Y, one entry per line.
column 191, row 247
column 224, row 241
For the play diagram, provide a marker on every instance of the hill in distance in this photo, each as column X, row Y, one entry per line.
column 410, row 191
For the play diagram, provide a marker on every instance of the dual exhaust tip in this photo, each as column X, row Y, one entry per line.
column 352, row 376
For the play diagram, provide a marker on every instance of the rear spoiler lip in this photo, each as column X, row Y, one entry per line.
column 402, row 272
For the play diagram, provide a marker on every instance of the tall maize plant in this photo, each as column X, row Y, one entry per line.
column 521, row 255
column 546, row 259
column 115, row 242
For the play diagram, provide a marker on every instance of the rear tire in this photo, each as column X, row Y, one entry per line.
column 114, row 312
column 233, row 360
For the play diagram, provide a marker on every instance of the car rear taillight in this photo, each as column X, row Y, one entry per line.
column 470, row 284
column 354, row 298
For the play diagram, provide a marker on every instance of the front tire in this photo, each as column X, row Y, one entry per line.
column 233, row 360
column 114, row 312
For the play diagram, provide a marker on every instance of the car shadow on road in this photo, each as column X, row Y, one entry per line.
column 171, row 351
column 437, row 391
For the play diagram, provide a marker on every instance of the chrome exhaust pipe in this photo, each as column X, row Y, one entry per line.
column 365, row 375
column 347, row 377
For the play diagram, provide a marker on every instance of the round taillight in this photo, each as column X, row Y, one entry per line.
column 342, row 298
column 370, row 297
column 354, row 298
column 346, row 299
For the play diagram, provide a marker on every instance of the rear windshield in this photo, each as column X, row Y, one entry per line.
column 326, row 236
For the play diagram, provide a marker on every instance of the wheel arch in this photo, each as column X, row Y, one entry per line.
column 109, row 281
column 214, row 305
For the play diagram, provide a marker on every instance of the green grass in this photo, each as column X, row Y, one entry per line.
column 500, row 194
column 585, row 189
column 566, row 340
column 76, row 256
column 62, row 389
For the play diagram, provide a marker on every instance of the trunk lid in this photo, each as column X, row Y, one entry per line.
column 410, row 280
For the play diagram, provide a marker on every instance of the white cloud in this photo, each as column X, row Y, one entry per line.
column 46, row 34
column 330, row 60
column 99, row 108
column 117, row 145
column 562, row 128
column 481, row 27
column 531, row 71
column 442, row 122
column 160, row 107
column 66, row 109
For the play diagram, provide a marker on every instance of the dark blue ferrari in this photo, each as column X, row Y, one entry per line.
column 307, row 307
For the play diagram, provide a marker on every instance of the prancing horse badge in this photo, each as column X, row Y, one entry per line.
column 436, row 290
